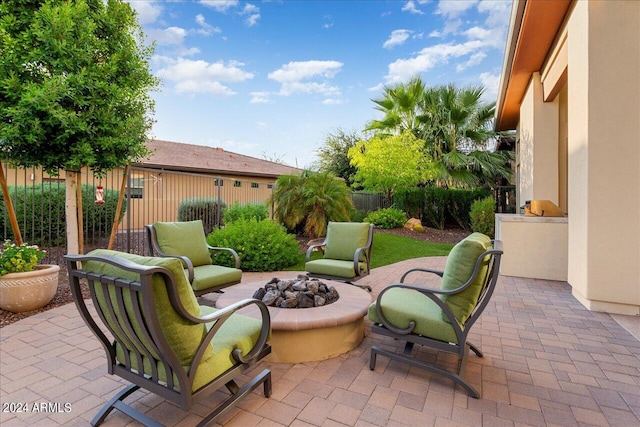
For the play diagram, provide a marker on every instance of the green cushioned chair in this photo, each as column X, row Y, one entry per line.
column 162, row 340
column 186, row 241
column 347, row 253
column 440, row 318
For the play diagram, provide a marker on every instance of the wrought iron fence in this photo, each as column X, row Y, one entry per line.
column 149, row 195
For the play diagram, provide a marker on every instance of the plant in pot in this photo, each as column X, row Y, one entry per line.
column 25, row 285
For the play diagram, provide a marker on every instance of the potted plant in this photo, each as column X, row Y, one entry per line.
column 25, row 285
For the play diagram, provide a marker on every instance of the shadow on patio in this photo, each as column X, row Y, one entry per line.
column 548, row 361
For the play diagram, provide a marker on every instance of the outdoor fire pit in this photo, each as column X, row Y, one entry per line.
column 301, row 292
column 308, row 334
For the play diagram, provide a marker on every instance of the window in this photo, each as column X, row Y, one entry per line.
column 255, row 185
column 136, row 187
column 270, row 186
column 237, row 183
column 218, row 182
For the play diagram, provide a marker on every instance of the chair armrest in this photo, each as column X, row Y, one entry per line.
column 422, row 270
column 219, row 317
column 356, row 259
column 311, row 248
column 431, row 293
column 233, row 253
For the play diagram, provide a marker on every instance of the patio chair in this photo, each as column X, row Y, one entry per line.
column 347, row 253
column 440, row 318
column 186, row 241
column 162, row 340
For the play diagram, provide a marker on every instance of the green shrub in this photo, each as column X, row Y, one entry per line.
column 358, row 215
column 258, row 211
column 207, row 209
column 439, row 207
column 40, row 211
column 261, row 245
column 387, row 218
column 483, row 216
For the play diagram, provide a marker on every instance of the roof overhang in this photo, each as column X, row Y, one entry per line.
column 533, row 28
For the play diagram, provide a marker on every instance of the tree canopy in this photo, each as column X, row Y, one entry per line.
column 333, row 155
column 74, row 89
column 74, row 84
column 389, row 162
column 454, row 124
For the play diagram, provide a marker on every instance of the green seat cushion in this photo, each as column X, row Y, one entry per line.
column 343, row 238
column 401, row 306
column 334, row 267
column 182, row 336
column 210, row 276
column 459, row 268
column 184, row 238
column 238, row 331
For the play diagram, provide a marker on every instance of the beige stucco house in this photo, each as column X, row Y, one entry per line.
column 571, row 89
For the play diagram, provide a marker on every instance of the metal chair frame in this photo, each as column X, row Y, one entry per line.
column 461, row 348
column 178, row 391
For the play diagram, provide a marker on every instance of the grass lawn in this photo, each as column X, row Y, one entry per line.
column 389, row 248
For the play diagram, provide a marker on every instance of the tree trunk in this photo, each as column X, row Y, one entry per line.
column 10, row 210
column 71, row 211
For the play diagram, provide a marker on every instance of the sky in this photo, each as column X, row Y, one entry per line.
column 273, row 79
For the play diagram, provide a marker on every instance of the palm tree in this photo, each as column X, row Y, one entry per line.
column 455, row 125
column 311, row 200
column 400, row 105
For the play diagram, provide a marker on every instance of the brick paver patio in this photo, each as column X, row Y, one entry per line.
column 548, row 361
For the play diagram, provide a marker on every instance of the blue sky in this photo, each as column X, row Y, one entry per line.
column 274, row 78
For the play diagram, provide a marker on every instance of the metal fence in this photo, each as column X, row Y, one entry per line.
column 150, row 195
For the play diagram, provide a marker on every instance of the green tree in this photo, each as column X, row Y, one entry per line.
column 454, row 124
column 401, row 105
column 333, row 155
column 74, row 84
column 310, row 200
column 457, row 129
column 387, row 163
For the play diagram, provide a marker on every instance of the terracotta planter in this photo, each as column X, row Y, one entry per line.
column 20, row 292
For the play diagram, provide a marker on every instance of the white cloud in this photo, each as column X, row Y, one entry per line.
column 491, row 83
column 302, row 78
column 396, row 38
column 474, row 60
column 198, row 76
column 220, row 5
column 172, row 36
column 410, row 7
column 402, row 70
column 453, row 9
column 260, row 98
column 332, row 101
column 296, row 71
column 499, row 12
column 147, row 11
column 205, row 28
column 252, row 12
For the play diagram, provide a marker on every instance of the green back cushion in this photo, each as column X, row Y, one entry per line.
column 182, row 336
column 459, row 268
column 184, row 238
column 343, row 238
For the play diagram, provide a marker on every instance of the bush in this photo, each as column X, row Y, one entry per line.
column 438, row 207
column 207, row 209
column 483, row 216
column 358, row 215
column 261, row 245
column 257, row 211
column 46, row 204
column 387, row 218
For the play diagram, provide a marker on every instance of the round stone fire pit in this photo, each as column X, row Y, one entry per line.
column 301, row 292
column 310, row 334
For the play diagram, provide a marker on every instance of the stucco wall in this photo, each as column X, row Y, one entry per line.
column 604, row 154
